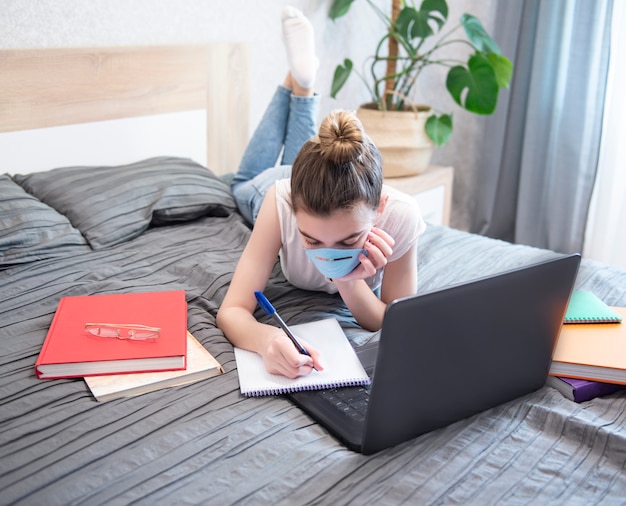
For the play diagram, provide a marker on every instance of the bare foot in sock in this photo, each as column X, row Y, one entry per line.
column 299, row 40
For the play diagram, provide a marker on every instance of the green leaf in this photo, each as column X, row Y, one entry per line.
column 412, row 24
column 478, row 36
column 438, row 10
column 475, row 88
column 439, row 128
column 503, row 68
column 339, row 8
column 342, row 72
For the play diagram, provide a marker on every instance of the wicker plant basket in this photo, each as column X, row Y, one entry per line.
column 401, row 138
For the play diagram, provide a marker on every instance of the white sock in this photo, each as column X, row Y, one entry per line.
column 300, row 45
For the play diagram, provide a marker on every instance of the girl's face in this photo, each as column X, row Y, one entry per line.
column 343, row 229
column 335, row 243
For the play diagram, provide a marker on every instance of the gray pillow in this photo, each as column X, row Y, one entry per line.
column 111, row 205
column 30, row 230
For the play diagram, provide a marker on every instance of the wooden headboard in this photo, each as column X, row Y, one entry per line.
column 54, row 87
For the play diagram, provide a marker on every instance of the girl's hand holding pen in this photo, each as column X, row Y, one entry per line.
column 286, row 354
column 282, row 357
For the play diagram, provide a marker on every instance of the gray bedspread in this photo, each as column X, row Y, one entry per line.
column 206, row 443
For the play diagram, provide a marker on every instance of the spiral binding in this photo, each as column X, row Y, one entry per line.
column 351, row 382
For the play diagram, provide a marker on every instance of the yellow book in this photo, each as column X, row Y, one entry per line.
column 592, row 352
column 200, row 365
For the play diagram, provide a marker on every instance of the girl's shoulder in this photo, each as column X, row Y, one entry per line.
column 402, row 219
column 401, row 205
column 286, row 218
column 283, row 188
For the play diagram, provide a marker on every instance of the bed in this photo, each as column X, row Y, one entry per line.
column 167, row 223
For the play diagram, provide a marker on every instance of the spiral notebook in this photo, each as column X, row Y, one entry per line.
column 341, row 364
column 586, row 307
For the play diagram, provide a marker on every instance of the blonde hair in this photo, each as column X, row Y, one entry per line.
column 337, row 169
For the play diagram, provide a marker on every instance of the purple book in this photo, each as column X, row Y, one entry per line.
column 580, row 390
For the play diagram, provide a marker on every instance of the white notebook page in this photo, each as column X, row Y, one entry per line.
column 341, row 365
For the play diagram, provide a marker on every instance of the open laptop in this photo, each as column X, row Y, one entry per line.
column 448, row 354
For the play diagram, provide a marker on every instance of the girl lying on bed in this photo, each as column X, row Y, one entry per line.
column 324, row 212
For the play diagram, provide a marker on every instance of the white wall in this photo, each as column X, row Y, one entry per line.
column 62, row 23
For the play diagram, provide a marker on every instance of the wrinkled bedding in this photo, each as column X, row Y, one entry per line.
column 167, row 224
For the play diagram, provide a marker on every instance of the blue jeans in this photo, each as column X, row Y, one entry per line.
column 289, row 121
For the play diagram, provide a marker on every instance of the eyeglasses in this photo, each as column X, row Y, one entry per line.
column 131, row 331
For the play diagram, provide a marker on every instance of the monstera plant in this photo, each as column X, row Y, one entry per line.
column 415, row 38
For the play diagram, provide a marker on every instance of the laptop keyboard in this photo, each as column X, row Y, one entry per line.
column 352, row 401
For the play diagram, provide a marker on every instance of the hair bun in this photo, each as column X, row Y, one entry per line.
column 341, row 137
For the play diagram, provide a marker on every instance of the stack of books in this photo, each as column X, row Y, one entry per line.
column 124, row 344
column 590, row 356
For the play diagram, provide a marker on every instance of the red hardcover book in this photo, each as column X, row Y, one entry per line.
column 69, row 350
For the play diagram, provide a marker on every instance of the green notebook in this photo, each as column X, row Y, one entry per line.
column 585, row 307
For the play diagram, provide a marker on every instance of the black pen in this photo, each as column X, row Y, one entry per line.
column 270, row 311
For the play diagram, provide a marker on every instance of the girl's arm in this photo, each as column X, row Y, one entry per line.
column 235, row 315
column 400, row 280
